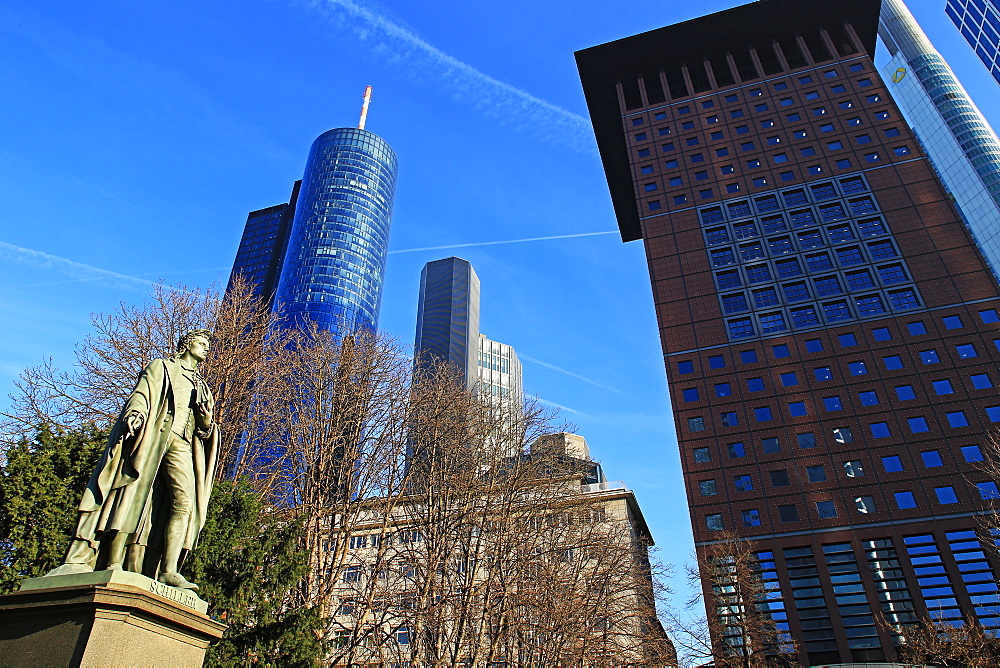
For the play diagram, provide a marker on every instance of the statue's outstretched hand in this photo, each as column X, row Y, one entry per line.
column 133, row 422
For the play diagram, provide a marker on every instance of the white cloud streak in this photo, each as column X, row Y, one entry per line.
column 552, row 404
column 496, row 243
column 496, row 99
column 557, row 369
column 78, row 270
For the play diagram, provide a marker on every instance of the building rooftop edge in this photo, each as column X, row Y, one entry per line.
column 601, row 67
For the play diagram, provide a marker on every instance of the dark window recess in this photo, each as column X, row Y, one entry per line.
column 744, row 65
column 675, row 82
column 817, row 49
column 630, row 91
column 720, row 69
column 769, row 60
column 699, row 79
column 793, row 55
column 841, row 39
column 654, row 89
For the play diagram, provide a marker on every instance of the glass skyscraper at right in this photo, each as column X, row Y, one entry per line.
column 961, row 145
column 979, row 22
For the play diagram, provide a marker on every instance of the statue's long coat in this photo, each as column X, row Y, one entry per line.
column 127, row 491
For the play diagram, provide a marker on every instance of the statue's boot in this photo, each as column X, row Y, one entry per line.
column 70, row 569
column 79, row 559
column 177, row 580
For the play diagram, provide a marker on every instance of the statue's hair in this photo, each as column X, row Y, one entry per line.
column 185, row 340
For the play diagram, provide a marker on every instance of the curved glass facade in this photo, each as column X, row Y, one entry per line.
column 335, row 263
column 961, row 145
column 979, row 22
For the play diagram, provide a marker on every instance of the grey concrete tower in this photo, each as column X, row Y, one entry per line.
column 960, row 143
column 448, row 315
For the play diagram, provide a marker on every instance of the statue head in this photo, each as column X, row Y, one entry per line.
column 196, row 343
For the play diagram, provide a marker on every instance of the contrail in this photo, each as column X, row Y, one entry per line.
column 80, row 271
column 569, row 373
column 559, row 406
column 498, row 99
column 98, row 278
column 494, row 243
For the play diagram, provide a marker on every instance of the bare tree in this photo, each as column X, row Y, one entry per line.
column 983, row 484
column 942, row 643
column 738, row 629
column 492, row 554
column 124, row 342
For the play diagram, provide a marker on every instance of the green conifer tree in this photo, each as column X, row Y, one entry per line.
column 41, row 482
column 249, row 562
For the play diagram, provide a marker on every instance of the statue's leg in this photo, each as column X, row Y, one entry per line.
column 116, row 553
column 179, row 466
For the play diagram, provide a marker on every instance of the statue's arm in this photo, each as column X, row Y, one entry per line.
column 137, row 406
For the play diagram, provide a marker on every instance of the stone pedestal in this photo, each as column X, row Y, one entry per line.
column 105, row 618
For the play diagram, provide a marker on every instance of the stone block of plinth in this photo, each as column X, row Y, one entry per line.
column 105, row 618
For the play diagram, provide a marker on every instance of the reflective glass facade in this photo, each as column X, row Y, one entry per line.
column 830, row 330
column 262, row 247
column 961, row 145
column 448, row 316
column 448, row 329
column 334, row 266
column 979, row 22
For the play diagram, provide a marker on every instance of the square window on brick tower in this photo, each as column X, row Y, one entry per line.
column 826, row 509
column 816, row 473
column 981, row 381
column 843, row 435
column 788, row 513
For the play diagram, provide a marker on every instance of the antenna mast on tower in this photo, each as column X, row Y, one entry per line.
column 364, row 107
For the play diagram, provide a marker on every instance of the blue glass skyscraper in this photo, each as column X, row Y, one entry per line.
column 979, row 23
column 448, row 316
column 262, row 247
column 961, row 145
column 334, row 265
column 321, row 256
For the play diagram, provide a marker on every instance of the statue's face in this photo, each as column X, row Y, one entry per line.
column 199, row 348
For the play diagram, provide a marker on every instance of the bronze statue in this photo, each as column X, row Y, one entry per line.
column 146, row 502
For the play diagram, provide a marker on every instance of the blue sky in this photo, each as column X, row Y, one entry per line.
column 137, row 136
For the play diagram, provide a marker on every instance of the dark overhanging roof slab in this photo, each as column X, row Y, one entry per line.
column 602, row 67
